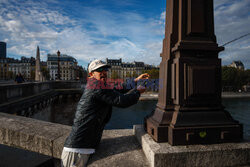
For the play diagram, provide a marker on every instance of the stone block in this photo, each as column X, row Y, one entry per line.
column 213, row 155
column 59, row 143
column 30, row 134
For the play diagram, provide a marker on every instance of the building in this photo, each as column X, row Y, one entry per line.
column 4, row 69
column 237, row 64
column 68, row 67
column 2, row 50
column 23, row 66
column 126, row 70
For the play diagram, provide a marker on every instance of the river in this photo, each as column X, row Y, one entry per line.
column 63, row 113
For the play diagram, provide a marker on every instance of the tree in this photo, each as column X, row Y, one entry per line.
column 233, row 79
column 45, row 73
column 154, row 73
column 32, row 75
column 247, row 75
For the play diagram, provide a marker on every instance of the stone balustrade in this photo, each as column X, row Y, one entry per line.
column 12, row 92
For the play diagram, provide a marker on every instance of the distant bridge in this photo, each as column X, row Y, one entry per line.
column 26, row 97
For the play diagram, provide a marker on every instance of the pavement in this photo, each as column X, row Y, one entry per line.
column 118, row 148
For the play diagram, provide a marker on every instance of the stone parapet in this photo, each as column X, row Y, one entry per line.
column 33, row 135
column 117, row 148
column 213, row 155
column 12, row 92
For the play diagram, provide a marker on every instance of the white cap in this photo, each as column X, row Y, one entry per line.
column 95, row 64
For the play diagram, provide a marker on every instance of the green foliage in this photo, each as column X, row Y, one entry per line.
column 45, row 73
column 154, row 73
column 32, row 75
column 233, row 79
column 82, row 74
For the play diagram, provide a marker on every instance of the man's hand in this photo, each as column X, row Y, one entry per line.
column 142, row 76
column 141, row 89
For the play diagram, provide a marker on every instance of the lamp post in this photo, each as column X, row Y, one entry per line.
column 189, row 109
column 58, row 65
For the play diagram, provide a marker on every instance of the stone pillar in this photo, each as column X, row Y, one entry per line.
column 189, row 109
column 39, row 75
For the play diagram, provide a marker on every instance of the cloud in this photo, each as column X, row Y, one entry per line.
column 88, row 31
column 232, row 20
column 96, row 33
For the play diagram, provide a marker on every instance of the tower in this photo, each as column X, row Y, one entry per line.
column 2, row 50
column 38, row 76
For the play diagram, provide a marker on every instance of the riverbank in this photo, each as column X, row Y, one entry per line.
column 154, row 95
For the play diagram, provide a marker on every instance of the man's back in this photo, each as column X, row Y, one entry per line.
column 93, row 112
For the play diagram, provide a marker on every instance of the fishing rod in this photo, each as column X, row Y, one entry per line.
column 236, row 39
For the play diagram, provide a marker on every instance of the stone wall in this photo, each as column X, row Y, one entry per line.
column 33, row 135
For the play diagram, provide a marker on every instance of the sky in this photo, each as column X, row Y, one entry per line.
column 98, row 29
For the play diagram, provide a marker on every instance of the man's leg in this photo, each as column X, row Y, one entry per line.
column 71, row 159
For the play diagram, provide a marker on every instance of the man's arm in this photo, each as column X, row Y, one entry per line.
column 118, row 99
column 130, row 84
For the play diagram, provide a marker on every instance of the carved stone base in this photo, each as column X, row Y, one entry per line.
column 205, row 134
column 157, row 132
column 157, row 124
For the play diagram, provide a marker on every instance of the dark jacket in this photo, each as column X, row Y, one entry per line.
column 94, row 111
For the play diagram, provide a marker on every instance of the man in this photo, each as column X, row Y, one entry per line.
column 19, row 78
column 93, row 112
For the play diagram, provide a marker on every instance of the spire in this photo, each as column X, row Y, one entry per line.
column 38, row 76
column 38, row 53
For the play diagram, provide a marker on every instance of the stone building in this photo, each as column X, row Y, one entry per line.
column 3, row 69
column 237, row 64
column 68, row 67
column 23, row 66
column 126, row 70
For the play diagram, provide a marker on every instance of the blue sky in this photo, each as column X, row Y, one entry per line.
column 129, row 29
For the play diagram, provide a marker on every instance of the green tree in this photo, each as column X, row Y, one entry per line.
column 154, row 73
column 45, row 73
column 233, row 79
column 32, row 75
column 247, row 76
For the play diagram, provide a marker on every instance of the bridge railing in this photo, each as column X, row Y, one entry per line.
column 11, row 92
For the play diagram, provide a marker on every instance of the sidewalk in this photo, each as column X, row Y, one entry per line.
column 119, row 148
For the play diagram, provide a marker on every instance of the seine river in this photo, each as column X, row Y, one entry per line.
column 63, row 113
